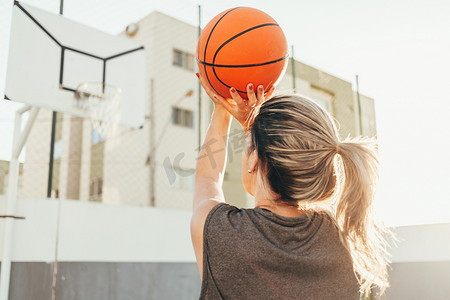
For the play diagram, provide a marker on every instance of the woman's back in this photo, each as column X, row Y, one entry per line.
column 256, row 254
column 293, row 158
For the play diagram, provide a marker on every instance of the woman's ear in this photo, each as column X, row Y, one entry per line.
column 252, row 161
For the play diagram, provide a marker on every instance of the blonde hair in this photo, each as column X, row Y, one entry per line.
column 304, row 162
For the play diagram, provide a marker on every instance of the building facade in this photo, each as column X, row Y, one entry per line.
column 155, row 165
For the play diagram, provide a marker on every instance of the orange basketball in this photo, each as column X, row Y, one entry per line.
column 239, row 46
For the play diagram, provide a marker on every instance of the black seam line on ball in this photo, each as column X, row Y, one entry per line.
column 238, row 35
column 243, row 66
column 252, row 65
column 212, row 30
column 206, row 46
column 262, row 64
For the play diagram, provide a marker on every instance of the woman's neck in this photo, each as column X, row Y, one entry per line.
column 278, row 208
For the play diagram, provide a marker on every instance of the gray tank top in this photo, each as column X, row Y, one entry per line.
column 256, row 254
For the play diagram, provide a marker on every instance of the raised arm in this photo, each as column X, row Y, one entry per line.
column 209, row 174
column 212, row 157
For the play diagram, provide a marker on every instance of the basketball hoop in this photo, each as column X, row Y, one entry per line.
column 102, row 103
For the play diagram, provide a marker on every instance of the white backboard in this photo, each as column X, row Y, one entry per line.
column 49, row 56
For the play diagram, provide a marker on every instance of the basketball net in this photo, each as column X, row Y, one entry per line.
column 102, row 103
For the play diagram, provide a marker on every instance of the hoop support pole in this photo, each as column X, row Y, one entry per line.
column 19, row 140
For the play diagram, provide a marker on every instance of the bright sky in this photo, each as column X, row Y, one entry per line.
column 400, row 49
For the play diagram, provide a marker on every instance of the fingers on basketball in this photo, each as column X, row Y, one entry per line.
column 251, row 95
column 260, row 95
column 222, row 101
column 237, row 98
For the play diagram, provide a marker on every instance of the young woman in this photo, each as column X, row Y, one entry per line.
column 312, row 234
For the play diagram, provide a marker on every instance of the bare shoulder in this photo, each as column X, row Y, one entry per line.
column 198, row 220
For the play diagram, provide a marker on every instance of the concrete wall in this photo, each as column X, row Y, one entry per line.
column 420, row 263
column 103, row 252
column 111, row 281
column 419, row 280
column 100, row 232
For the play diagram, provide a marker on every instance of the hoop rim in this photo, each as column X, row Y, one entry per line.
column 81, row 94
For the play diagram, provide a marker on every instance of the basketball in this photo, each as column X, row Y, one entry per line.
column 239, row 46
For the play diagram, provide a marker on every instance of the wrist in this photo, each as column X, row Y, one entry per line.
column 221, row 111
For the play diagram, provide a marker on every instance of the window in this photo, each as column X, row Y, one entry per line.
column 57, row 149
column 183, row 59
column 96, row 137
column 178, row 58
column 183, row 117
column 323, row 98
column 96, row 189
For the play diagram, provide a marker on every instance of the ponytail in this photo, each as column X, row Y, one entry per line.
column 296, row 142
column 360, row 232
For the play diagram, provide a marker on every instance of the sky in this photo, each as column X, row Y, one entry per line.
column 400, row 50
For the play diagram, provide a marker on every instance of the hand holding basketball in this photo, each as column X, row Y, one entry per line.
column 244, row 111
column 241, row 109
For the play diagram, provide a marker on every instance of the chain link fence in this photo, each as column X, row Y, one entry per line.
column 154, row 165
